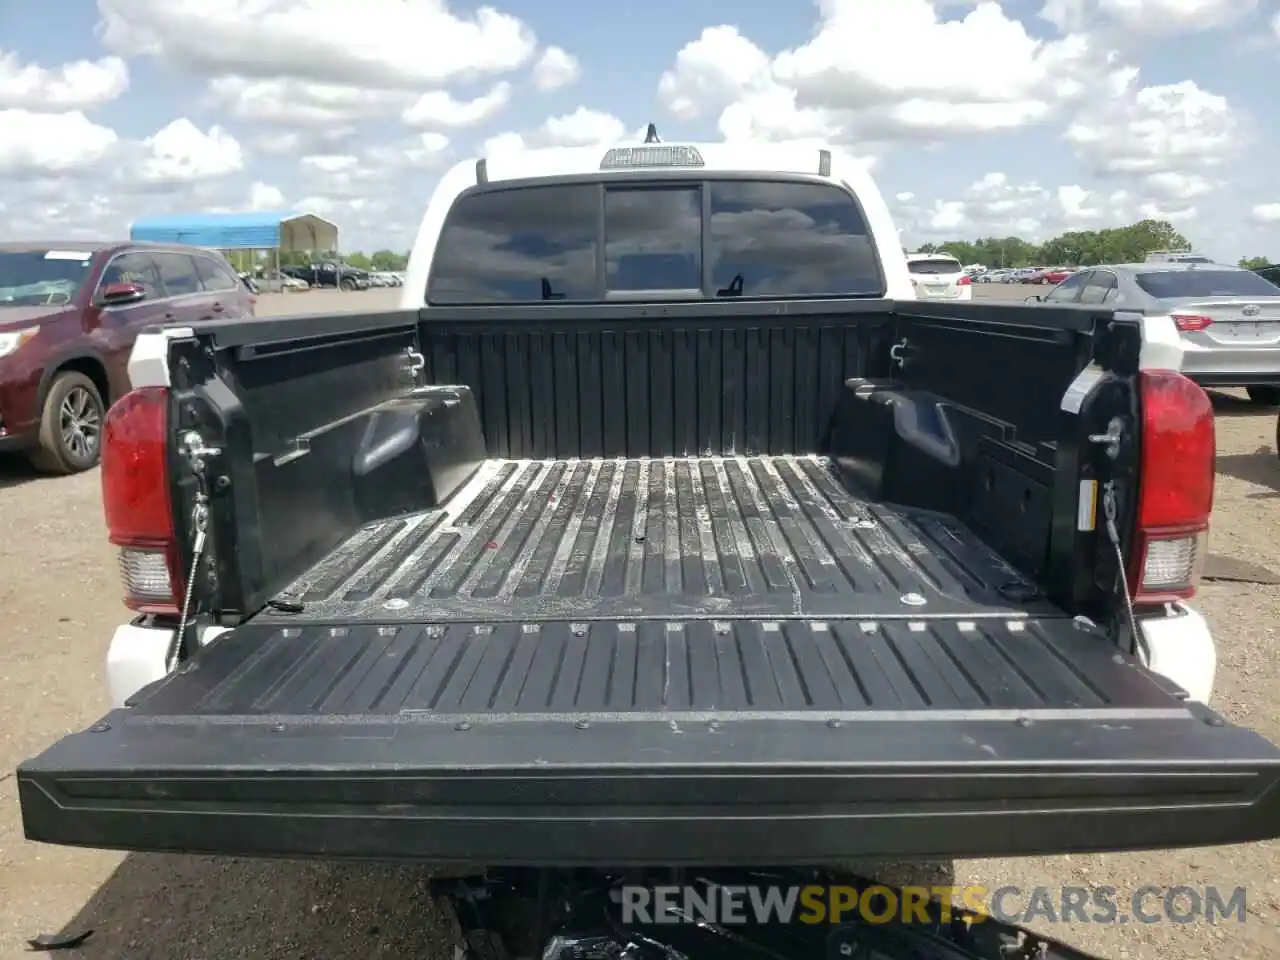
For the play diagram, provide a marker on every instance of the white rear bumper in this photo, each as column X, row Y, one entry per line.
column 137, row 655
column 1182, row 650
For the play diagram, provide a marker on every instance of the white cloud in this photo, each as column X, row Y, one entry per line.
column 859, row 79
column 508, row 142
column 1175, row 16
column 1167, row 139
column 80, row 85
column 994, row 205
column 437, row 108
column 948, row 215
column 182, row 152
column 1266, row 213
column 1077, row 204
column 375, row 171
column 1176, row 185
column 265, row 196
column 51, row 143
column 389, row 44
column 1145, row 130
column 1139, row 19
column 556, row 68
column 298, row 103
column 581, row 128
column 712, row 71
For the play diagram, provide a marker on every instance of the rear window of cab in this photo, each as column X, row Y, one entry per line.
column 602, row 240
column 934, row 266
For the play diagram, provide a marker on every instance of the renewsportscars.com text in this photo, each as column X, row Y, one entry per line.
column 819, row 904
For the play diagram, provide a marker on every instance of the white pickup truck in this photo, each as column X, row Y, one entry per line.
column 661, row 526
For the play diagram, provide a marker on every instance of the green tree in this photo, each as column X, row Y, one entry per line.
column 1074, row 248
column 1254, row 263
column 389, row 260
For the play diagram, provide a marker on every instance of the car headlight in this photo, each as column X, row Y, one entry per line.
column 11, row 340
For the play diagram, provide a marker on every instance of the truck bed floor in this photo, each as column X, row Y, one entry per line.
column 656, row 539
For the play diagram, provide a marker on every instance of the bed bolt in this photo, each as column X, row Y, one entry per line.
column 834, row 724
column 1215, row 721
column 713, row 725
column 463, row 726
column 1024, row 721
column 100, row 727
column 278, row 728
column 582, row 724
column 913, row 600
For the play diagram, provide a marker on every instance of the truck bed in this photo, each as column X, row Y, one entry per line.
column 710, row 651
column 726, row 537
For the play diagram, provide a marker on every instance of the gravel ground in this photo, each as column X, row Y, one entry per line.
column 60, row 597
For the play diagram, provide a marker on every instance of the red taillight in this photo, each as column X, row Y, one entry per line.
column 964, row 282
column 1188, row 322
column 1176, row 495
column 135, row 498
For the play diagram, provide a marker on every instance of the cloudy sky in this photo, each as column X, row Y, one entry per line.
column 1021, row 116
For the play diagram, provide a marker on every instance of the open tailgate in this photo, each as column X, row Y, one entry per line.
column 697, row 742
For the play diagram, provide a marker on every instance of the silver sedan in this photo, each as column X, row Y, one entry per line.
column 1225, row 319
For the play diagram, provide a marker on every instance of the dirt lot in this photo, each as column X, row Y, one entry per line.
column 60, row 598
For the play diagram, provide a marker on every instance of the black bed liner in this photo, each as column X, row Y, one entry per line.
column 847, row 669
column 657, row 742
column 640, row 538
column 703, row 662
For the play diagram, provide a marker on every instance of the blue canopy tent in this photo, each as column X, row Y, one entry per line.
column 241, row 231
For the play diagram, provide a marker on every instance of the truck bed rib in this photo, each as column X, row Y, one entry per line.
column 618, row 539
column 937, row 670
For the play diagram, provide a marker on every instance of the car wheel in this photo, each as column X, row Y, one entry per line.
column 348, row 283
column 1265, row 396
column 70, row 426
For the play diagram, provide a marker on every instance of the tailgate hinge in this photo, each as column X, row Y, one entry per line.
column 1110, row 440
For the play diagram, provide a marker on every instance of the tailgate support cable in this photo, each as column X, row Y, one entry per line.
column 1110, row 509
column 200, row 519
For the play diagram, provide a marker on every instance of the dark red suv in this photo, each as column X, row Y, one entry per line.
column 69, row 313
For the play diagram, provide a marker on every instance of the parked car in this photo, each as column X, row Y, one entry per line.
column 330, row 274
column 1270, row 272
column 938, row 276
column 1053, row 275
column 69, row 314
column 1225, row 320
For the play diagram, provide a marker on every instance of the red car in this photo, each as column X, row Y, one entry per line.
column 1052, row 277
column 69, row 313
